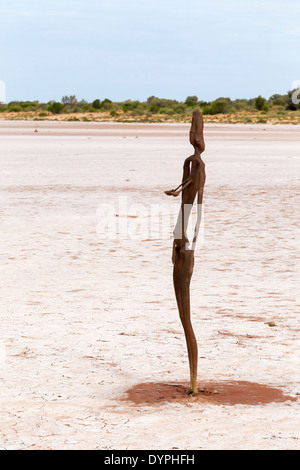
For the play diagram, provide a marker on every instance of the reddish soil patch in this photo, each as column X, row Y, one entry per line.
column 219, row 393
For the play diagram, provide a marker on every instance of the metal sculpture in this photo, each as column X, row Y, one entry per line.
column 192, row 185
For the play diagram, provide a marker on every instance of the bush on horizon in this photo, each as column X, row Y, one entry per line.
column 276, row 105
column 56, row 107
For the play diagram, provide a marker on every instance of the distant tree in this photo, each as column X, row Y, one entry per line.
column 191, row 100
column 240, row 104
column 151, row 98
column 259, row 102
column 278, row 100
column 203, row 103
column 105, row 103
column 156, row 104
column 97, row 104
column 69, row 100
column 130, row 105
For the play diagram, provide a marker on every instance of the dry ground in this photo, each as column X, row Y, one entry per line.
column 274, row 116
column 93, row 353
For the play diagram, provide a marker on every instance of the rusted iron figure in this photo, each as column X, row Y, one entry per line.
column 192, row 185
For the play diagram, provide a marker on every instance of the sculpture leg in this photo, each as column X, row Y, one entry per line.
column 182, row 273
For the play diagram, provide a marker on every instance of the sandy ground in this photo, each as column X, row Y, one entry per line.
column 92, row 353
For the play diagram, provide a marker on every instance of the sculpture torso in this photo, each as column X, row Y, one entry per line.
column 194, row 168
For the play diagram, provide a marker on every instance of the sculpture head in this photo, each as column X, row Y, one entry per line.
column 196, row 132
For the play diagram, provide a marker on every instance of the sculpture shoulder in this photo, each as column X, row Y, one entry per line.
column 188, row 160
column 198, row 162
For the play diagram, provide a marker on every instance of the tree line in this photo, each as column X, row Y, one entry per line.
column 157, row 106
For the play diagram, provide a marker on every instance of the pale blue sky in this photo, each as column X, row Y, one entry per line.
column 132, row 49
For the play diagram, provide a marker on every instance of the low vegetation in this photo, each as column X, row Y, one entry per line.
column 276, row 109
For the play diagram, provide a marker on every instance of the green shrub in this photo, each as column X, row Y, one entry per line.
column 14, row 108
column 167, row 110
column 240, row 104
column 130, row 105
column 107, row 104
column 28, row 105
column 259, row 102
column 217, row 107
column 138, row 112
column 56, row 107
column 81, row 107
column 278, row 100
column 265, row 108
column 156, row 104
column 97, row 104
column 179, row 108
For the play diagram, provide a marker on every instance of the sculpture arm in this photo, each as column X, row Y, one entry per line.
column 186, row 179
column 198, row 222
column 186, row 169
column 202, row 183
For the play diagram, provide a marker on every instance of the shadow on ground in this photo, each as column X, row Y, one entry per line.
column 218, row 393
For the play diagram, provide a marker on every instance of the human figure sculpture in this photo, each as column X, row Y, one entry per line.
column 192, row 185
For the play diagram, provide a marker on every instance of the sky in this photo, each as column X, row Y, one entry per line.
column 133, row 49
